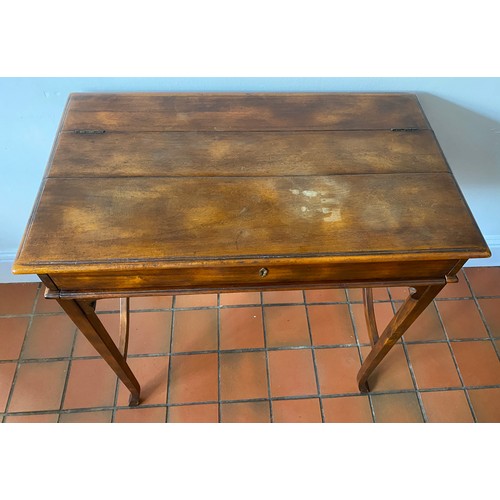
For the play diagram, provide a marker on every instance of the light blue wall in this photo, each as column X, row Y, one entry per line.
column 464, row 112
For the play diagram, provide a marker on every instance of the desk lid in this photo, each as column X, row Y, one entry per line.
column 159, row 180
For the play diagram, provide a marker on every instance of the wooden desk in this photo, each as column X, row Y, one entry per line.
column 147, row 194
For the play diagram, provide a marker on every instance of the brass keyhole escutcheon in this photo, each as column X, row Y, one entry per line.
column 263, row 272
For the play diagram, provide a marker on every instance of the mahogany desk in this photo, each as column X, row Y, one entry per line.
column 149, row 194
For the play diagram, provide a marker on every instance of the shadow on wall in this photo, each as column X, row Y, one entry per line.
column 471, row 144
column 470, row 141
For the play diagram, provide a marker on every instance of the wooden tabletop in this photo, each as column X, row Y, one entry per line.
column 141, row 181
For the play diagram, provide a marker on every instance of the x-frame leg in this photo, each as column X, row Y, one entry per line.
column 402, row 320
column 82, row 313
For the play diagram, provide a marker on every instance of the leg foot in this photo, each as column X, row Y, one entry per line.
column 134, row 400
column 364, row 388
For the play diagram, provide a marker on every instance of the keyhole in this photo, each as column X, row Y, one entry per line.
column 263, row 272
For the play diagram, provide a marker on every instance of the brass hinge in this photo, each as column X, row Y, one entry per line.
column 86, row 131
column 409, row 129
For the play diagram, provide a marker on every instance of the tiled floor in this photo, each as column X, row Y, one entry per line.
column 252, row 357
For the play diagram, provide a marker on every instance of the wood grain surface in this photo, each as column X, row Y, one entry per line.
column 219, row 112
column 245, row 153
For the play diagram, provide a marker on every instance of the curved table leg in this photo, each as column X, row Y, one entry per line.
column 406, row 315
column 82, row 313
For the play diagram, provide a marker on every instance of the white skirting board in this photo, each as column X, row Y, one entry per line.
column 7, row 259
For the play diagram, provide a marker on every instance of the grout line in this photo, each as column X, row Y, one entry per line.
column 68, row 372
column 481, row 296
column 456, row 366
column 28, row 315
column 358, row 345
column 115, row 400
column 315, row 367
column 18, row 364
column 169, row 372
column 410, row 366
column 219, row 408
column 268, row 373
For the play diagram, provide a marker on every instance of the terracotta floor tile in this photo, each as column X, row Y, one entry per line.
column 456, row 290
column 283, row 297
column 198, row 300
column 461, row 319
column 433, row 366
column 107, row 305
column 195, row 330
column 38, row 386
column 239, row 298
column 241, row 328
column 399, row 292
column 397, row 408
column 201, row 414
column 381, row 294
column 141, row 415
column 150, row 332
column 356, row 294
column 81, row 417
column 491, row 312
column 383, row 314
column 286, row 326
column 7, row 371
column 12, row 331
column 251, row 412
column 478, row 362
column 49, row 337
column 337, row 369
column 91, row 383
column 291, row 373
column 486, row 404
column 297, row 411
column 446, row 406
column 426, row 327
column 393, row 373
column 351, row 409
column 331, row 324
column 193, row 378
column 154, row 302
column 326, row 295
column 84, row 348
column 243, row 375
column 17, row 298
column 43, row 418
column 152, row 374
column 485, row 281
